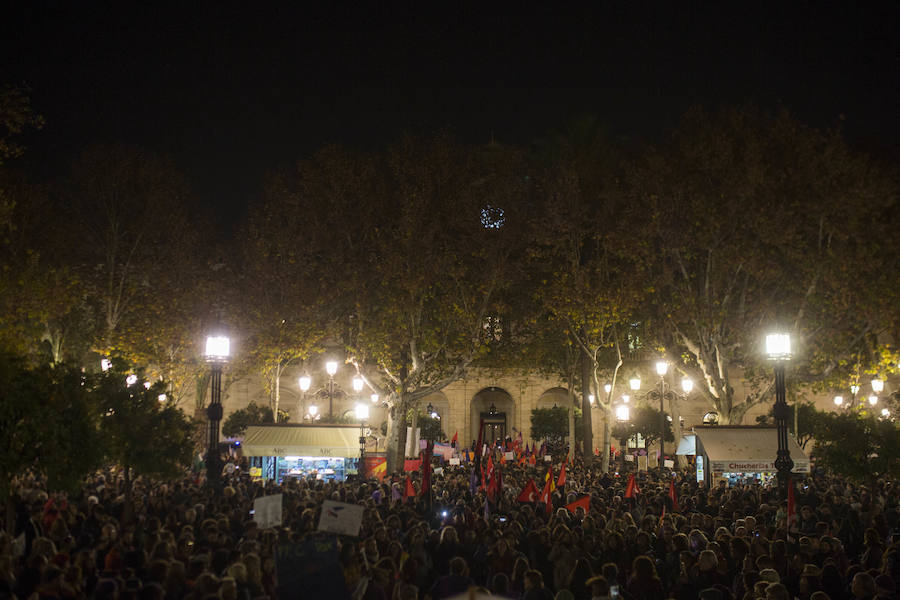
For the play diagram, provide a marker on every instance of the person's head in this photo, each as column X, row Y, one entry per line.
column 708, row 561
column 642, row 567
column 500, row 584
column 610, row 571
column 598, row 585
column 862, row 585
column 458, row 566
column 533, row 579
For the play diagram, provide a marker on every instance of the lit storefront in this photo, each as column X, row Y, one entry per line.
column 737, row 453
column 304, row 451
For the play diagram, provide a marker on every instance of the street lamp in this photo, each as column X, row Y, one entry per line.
column 305, row 382
column 687, row 385
column 873, row 400
column 374, row 398
column 362, row 413
column 778, row 349
column 218, row 348
column 662, row 367
column 331, row 368
column 634, row 382
column 838, row 400
column 877, row 385
column 623, row 414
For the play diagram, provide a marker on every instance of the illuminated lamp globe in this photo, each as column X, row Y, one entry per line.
column 838, row 400
column 778, row 346
column 877, row 385
column 305, row 381
column 662, row 367
column 687, row 385
column 873, row 400
column 331, row 367
column 357, row 384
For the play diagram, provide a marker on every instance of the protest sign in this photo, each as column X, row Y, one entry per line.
column 340, row 517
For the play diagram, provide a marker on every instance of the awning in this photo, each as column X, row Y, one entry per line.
column 746, row 449
column 687, row 445
column 301, row 440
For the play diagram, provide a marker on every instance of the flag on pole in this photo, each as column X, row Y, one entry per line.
column 632, row 488
column 455, row 439
column 549, row 478
column 426, row 469
column 410, row 490
column 561, row 482
column 529, row 493
column 546, row 496
column 673, row 494
column 584, row 503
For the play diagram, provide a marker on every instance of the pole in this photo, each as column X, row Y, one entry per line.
column 362, row 450
column 214, row 413
column 662, row 421
column 783, row 462
column 330, row 397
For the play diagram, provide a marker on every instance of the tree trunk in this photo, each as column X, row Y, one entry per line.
column 395, row 453
column 604, row 459
column 587, row 433
column 277, row 393
column 570, row 450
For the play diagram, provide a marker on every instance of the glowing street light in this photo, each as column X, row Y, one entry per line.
column 778, row 349
column 838, row 400
column 687, row 385
column 877, row 385
column 873, row 400
column 218, row 349
column 634, row 382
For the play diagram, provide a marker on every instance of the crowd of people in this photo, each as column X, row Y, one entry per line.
column 194, row 540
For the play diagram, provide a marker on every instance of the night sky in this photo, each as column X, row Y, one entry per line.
column 232, row 90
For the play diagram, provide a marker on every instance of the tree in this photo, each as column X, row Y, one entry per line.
column 751, row 221
column 858, row 445
column 252, row 414
column 140, row 433
column 550, row 424
column 16, row 115
column 429, row 429
column 409, row 248
column 804, row 423
column 644, row 420
column 47, row 424
column 584, row 259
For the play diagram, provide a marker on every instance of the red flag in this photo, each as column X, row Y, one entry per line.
column 455, row 438
column 561, row 482
column 632, row 488
column 410, row 490
column 488, row 472
column 529, row 493
column 673, row 494
column 531, row 459
column 791, row 506
column 546, row 497
column 584, row 502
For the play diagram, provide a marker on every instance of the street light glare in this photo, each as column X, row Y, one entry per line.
column 662, row 367
column 357, row 384
column 778, row 346
column 374, row 398
column 313, row 409
column 873, row 400
column 607, row 388
column 687, row 385
column 635, row 382
column 362, row 411
column 838, row 400
column 331, row 367
column 305, row 381
column 218, row 347
column 622, row 412
column 877, row 385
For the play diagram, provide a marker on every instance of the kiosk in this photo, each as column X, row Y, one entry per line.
column 736, row 453
column 318, row 451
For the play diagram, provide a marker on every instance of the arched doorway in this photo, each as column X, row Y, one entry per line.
column 494, row 410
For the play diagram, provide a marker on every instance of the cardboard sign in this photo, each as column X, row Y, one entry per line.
column 340, row 517
column 629, row 458
column 267, row 511
column 439, row 470
column 669, row 464
column 255, row 471
column 509, row 455
column 548, row 458
column 454, row 462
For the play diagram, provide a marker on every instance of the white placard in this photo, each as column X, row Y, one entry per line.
column 509, row 455
column 454, row 462
column 642, row 463
column 669, row 464
column 340, row 517
column 439, row 470
column 629, row 458
column 548, row 458
column 267, row 511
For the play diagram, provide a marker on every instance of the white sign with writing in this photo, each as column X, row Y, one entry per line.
column 267, row 511
column 509, row 456
column 548, row 458
column 340, row 517
column 454, row 462
column 669, row 464
column 629, row 458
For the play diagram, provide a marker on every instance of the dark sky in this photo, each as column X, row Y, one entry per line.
column 231, row 90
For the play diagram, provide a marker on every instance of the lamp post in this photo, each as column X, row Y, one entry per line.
column 217, row 350
column 305, row 382
column 331, row 368
column 623, row 414
column 778, row 348
column 362, row 413
column 662, row 367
